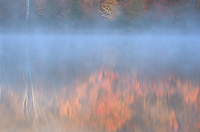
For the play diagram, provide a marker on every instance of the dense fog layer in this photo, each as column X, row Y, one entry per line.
column 60, row 59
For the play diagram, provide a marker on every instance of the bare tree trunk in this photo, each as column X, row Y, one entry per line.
column 27, row 9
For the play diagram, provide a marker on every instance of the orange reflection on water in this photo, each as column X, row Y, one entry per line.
column 104, row 105
column 106, row 101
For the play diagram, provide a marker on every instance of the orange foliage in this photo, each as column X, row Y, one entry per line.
column 103, row 104
column 41, row 7
column 106, row 101
column 90, row 7
column 110, row 9
column 103, row 101
column 63, row 10
column 191, row 96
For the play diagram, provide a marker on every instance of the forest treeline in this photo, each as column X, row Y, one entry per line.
column 15, row 11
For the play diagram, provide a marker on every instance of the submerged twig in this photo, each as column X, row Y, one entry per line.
column 29, row 92
column 25, row 102
column 34, row 103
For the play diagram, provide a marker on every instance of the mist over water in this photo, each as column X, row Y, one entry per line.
column 61, row 58
column 70, row 66
column 43, row 74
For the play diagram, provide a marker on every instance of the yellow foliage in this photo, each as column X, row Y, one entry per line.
column 110, row 9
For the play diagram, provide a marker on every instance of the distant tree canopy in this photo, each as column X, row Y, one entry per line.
column 110, row 10
column 133, row 8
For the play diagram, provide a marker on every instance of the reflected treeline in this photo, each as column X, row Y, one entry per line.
column 107, row 102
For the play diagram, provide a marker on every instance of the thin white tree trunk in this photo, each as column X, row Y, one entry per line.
column 27, row 9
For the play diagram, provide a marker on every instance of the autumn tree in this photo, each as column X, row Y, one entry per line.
column 51, row 9
column 76, row 11
column 40, row 8
column 110, row 9
column 90, row 8
column 63, row 9
column 132, row 8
